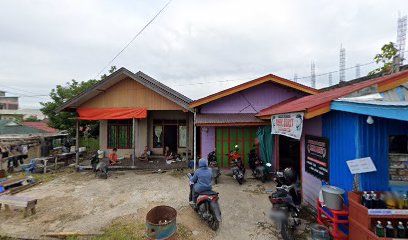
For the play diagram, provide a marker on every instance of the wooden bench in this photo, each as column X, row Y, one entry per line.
column 25, row 202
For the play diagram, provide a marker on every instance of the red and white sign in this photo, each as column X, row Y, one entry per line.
column 289, row 124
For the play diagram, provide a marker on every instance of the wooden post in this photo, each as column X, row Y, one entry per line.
column 134, row 141
column 77, row 145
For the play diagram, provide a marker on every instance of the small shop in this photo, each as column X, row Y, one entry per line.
column 344, row 124
column 230, row 118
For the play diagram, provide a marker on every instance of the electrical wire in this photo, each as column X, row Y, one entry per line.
column 130, row 42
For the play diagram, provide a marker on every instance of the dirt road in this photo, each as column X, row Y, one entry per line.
column 78, row 202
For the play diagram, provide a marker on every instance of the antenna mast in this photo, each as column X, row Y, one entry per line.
column 342, row 70
column 313, row 75
column 401, row 37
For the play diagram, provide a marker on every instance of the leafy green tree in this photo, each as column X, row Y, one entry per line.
column 385, row 58
column 31, row 118
column 63, row 93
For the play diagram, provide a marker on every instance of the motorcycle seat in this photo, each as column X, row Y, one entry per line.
column 209, row 193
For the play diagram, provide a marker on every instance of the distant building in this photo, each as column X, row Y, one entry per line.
column 9, row 103
column 9, row 109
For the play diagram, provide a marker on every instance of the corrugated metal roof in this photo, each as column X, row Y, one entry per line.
column 41, row 126
column 9, row 127
column 321, row 99
column 231, row 118
column 119, row 75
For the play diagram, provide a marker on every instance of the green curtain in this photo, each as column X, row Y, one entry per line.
column 265, row 143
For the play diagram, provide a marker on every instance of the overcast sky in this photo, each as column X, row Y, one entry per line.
column 45, row 43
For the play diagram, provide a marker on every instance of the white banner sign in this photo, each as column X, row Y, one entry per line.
column 289, row 124
column 361, row 165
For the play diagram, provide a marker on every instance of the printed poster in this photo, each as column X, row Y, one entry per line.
column 289, row 124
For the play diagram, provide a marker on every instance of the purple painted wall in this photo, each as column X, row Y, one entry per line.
column 207, row 140
column 260, row 97
column 310, row 184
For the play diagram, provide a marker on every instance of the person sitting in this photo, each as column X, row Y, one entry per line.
column 145, row 154
column 113, row 157
column 168, row 154
column 201, row 179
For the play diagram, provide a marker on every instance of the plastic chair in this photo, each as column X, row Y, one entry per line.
column 29, row 168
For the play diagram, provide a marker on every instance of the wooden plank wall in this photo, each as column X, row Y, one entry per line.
column 129, row 93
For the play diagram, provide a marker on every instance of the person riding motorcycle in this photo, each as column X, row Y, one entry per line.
column 201, row 179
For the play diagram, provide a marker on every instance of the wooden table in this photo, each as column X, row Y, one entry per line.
column 45, row 160
column 27, row 203
column 62, row 156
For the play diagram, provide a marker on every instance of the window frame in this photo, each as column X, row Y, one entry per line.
column 117, row 124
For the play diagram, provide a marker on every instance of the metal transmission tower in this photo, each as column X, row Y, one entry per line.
column 358, row 73
column 342, row 70
column 313, row 75
column 401, row 36
column 295, row 78
column 330, row 79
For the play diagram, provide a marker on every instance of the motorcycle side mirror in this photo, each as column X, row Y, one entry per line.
column 268, row 164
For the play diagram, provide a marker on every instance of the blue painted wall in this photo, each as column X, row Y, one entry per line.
column 351, row 137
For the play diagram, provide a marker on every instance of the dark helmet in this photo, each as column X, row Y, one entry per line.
column 290, row 175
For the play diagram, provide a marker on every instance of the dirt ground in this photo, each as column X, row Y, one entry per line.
column 79, row 202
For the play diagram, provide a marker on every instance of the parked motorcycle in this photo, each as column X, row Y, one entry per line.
column 286, row 204
column 257, row 166
column 237, row 167
column 99, row 167
column 213, row 164
column 208, row 208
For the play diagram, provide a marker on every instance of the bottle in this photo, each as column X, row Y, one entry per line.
column 374, row 200
column 368, row 201
column 379, row 230
column 401, row 231
column 389, row 230
column 363, row 198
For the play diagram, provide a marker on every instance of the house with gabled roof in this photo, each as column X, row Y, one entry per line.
column 135, row 111
column 228, row 118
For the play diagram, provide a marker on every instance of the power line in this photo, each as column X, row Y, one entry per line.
column 130, row 42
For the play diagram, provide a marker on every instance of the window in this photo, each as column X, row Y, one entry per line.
column 120, row 134
column 182, row 135
column 158, row 136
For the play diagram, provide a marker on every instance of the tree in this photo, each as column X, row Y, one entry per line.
column 385, row 58
column 31, row 118
column 60, row 95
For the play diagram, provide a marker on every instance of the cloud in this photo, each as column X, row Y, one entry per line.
column 45, row 43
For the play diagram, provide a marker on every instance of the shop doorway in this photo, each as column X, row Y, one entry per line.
column 170, row 137
column 289, row 153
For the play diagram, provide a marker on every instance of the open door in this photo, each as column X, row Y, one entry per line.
column 170, row 137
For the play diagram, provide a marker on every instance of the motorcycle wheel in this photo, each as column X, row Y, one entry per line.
column 240, row 180
column 287, row 232
column 263, row 178
column 214, row 225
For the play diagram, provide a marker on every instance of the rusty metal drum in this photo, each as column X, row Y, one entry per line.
column 161, row 223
